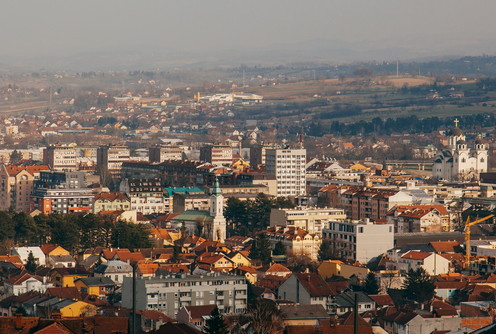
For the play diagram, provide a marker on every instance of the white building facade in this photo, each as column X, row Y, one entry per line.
column 360, row 241
column 289, row 166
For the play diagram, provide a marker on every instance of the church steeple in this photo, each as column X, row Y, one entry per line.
column 218, row 230
column 216, row 191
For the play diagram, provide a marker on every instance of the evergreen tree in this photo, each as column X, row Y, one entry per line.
column 215, row 324
column 326, row 250
column 261, row 249
column 418, row 285
column 7, row 226
column 279, row 249
column 370, row 286
column 15, row 157
column 31, row 264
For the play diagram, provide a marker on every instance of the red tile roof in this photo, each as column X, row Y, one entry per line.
column 414, row 255
column 197, row 312
column 314, row 284
column 382, row 300
column 111, row 197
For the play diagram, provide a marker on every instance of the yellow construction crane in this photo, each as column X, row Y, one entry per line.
column 468, row 224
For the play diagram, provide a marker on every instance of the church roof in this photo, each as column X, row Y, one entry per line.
column 193, row 215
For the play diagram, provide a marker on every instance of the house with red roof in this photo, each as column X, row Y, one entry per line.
column 111, row 201
column 433, row 263
column 215, row 262
column 25, row 282
column 195, row 315
column 419, row 218
column 306, row 288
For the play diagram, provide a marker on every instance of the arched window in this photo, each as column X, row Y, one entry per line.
column 463, row 160
column 482, row 160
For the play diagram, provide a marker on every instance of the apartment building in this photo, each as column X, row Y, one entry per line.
column 372, row 203
column 312, row 220
column 258, row 154
column 146, row 195
column 360, row 241
column 16, row 185
column 288, row 165
column 109, row 160
column 111, row 202
column 217, row 154
column 168, row 294
column 161, row 153
column 419, row 218
column 60, row 157
column 296, row 240
column 59, row 192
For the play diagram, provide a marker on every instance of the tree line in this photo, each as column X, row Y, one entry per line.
column 409, row 124
column 74, row 232
column 246, row 217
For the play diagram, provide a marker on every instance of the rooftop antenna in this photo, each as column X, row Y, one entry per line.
column 300, row 140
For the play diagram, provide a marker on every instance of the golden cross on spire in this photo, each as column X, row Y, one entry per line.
column 456, row 122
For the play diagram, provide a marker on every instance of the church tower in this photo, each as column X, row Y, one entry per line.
column 218, row 230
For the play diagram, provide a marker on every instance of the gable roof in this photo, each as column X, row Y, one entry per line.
column 64, row 292
column 96, row 281
column 293, row 312
column 197, row 312
column 21, row 278
column 314, row 284
column 414, row 255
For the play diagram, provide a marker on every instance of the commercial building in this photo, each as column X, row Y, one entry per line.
column 360, row 241
column 288, row 165
column 168, row 294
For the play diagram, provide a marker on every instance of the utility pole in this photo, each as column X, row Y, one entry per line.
column 133, row 319
column 397, row 68
column 355, row 315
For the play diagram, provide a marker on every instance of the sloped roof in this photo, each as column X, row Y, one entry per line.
column 64, row 292
column 382, row 300
column 445, row 246
column 314, row 284
column 292, row 312
column 197, row 312
column 97, row 281
column 54, row 328
column 21, row 278
column 111, row 196
column 414, row 255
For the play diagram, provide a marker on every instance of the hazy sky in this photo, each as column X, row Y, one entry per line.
column 32, row 28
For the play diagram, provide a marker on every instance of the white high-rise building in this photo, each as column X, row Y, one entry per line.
column 459, row 162
column 288, row 165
